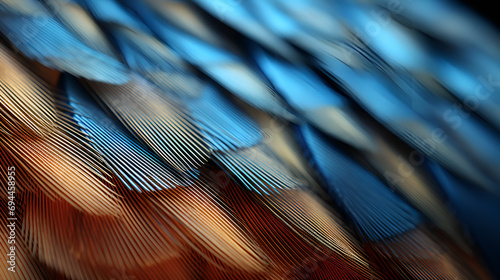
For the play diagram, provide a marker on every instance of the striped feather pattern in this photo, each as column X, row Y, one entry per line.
column 193, row 139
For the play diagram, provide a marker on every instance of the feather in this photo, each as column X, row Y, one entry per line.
column 321, row 106
column 224, row 125
column 130, row 242
column 63, row 165
column 394, row 230
column 156, row 62
column 186, row 16
column 295, row 81
column 406, row 171
column 27, row 104
column 306, row 212
column 474, row 208
column 44, row 39
column 416, row 255
column 144, row 170
column 471, row 86
column 258, row 169
column 461, row 32
column 224, row 67
column 272, row 232
column 87, row 247
column 236, row 15
column 79, row 22
column 27, row 266
column 398, row 45
column 207, row 227
column 421, row 129
column 143, row 52
column 377, row 212
column 156, row 119
column 304, row 139
column 111, row 12
column 25, row 7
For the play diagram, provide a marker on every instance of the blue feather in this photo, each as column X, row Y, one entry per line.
column 46, row 40
column 138, row 168
column 426, row 123
column 225, row 126
column 377, row 212
column 224, row 66
column 317, row 103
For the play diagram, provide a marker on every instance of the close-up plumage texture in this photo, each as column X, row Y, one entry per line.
column 249, row 139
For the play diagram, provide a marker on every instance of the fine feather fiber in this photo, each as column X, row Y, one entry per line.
column 229, row 139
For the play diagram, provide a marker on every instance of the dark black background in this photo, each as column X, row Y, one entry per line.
column 486, row 9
